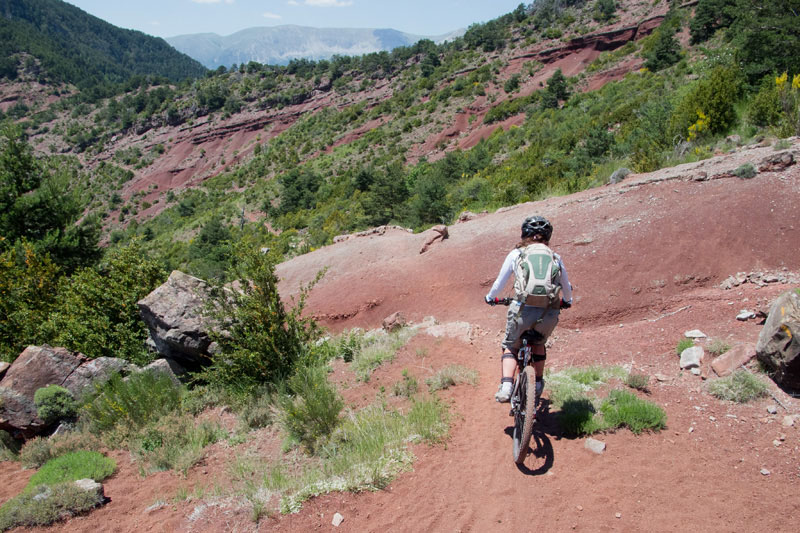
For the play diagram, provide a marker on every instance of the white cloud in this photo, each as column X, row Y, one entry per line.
column 324, row 3
column 268, row 15
column 293, row 3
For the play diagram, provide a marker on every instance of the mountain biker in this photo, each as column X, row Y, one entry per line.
column 521, row 317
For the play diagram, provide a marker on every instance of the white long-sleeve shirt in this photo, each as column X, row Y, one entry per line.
column 508, row 269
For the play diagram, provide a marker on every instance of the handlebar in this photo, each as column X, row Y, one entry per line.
column 507, row 301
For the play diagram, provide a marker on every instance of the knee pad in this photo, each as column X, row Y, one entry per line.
column 536, row 357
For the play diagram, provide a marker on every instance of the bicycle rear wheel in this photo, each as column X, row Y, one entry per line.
column 525, row 416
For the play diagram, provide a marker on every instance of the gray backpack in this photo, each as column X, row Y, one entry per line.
column 537, row 277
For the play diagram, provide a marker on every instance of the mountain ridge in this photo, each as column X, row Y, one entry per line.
column 281, row 44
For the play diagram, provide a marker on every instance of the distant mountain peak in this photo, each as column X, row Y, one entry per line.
column 277, row 45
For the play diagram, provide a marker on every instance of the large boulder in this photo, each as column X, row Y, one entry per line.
column 779, row 342
column 40, row 366
column 175, row 314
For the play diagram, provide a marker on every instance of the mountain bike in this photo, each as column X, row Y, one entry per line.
column 523, row 397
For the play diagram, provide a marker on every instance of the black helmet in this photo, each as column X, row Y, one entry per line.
column 537, row 225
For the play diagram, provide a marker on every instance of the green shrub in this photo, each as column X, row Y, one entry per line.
column 9, row 447
column 262, row 341
column 97, row 313
column 745, row 171
column 29, row 509
column 713, row 97
column 625, row 409
column 451, row 375
column 638, row 382
column 739, row 387
column 683, row 344
column 54, row 403
column 73, row 466
column 128, row 404
column 378, row 349
column 577, row 416
column 257, row 411
column 175, row 442
column 365, row 453
column 312, row 410
column 407, row 387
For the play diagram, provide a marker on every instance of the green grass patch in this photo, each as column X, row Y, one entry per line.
column 72, row 467
column 407, row 386
column 368, row 450
column 739, row 387
column 718, row 347
column 579, row 413
column 38, row 450
column 451, row 375
column 175, row 442
column 683, row 344
column 377, row 349
column 625, row 409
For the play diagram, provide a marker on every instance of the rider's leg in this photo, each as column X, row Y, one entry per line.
column 508, row 365
column 539, row 355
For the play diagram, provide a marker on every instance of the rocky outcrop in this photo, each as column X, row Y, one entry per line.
column 175, row 313
column 436, row 234
column 779, row 342
column 40, row 366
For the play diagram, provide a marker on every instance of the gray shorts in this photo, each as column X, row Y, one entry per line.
column 539, row 319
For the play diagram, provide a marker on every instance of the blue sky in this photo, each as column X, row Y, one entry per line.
column 168, row 18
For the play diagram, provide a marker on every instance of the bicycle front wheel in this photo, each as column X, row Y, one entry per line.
column 525, row 415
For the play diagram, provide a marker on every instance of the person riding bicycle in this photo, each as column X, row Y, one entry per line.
column 522, row 316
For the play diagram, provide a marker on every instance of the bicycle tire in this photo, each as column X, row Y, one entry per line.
column 523, row 420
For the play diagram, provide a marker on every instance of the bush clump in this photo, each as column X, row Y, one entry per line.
column 625, row 409
column 31, row 509
column 310, row 411
column 745, row 171
column 54, row 403
column 739, row 387
column 129, row 404
column 73, row 466
column 638, row 381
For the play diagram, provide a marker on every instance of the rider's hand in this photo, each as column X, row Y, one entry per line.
column 490, row 301
column 565, row 304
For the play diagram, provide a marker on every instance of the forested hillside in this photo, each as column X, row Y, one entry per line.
column 74, row 47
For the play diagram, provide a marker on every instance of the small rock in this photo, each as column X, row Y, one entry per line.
column 782, row 437
column 618, row 515
column 695, row 334
column 691, row 357
column 691, row 429
column 771, row 409
column 764, row 472
column 776, row 443
column 788, row 421
column 696, row 371
column 337, row 520
column 580, row 507
column 712, row 418
column 662, row 378
column 745, row 315
column 594, row 445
